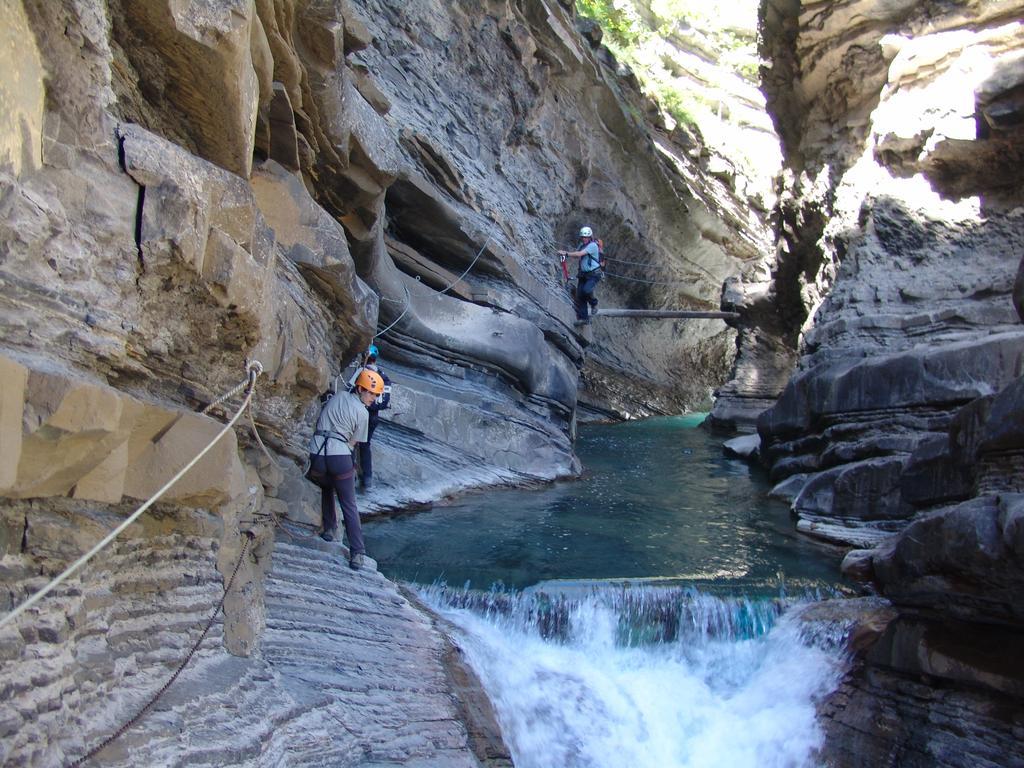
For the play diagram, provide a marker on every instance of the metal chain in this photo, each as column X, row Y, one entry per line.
column 289, row 534
column 138, row 715
column 648, row 282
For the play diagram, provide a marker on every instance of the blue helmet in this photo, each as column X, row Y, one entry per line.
column 373, row 351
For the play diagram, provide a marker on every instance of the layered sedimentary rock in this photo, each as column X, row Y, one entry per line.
column 530, row 135
column 324, row 686
column 900, row 236
column 190, row 188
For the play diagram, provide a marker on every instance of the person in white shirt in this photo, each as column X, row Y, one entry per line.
column 343, row 424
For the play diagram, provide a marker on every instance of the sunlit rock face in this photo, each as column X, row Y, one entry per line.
column 901, row 235
column 896, row 270
column 702, row 62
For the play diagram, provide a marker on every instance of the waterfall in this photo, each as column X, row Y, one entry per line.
column 646, row 677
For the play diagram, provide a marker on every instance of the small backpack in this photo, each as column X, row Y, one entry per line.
column 317, row 478
column 601, row 261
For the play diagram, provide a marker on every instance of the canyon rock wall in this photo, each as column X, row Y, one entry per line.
column 514, row 131
column 186, row 188
column 900, row 242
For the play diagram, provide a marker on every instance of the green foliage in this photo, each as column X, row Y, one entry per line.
column 619, row 24
column 750, row 69
column 718, row 21
column 679, row 106
column 635, row 31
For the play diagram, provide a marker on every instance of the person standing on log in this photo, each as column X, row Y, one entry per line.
column 588, row 276
column 341, row 426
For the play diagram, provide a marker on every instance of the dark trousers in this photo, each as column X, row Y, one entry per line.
column 365, row 454
column 586, row 284
column 341, row 474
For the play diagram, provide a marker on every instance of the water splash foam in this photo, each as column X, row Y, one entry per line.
column 644, row 677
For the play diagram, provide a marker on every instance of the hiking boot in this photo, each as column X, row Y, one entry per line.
column 580, row 321
column 366, row 484
column 327, row 535
column 593, row 310
column 355, row 562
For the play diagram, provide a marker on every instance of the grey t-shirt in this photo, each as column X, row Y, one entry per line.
column 346, row 418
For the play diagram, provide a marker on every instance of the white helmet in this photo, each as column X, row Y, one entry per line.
column 586, row 232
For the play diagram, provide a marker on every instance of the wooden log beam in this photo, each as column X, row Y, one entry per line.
column 657, row 314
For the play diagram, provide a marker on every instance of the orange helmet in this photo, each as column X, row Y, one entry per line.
column 370, row 381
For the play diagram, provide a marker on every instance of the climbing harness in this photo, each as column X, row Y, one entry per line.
column 322, row 479
column 254, row 370
column 170, row 681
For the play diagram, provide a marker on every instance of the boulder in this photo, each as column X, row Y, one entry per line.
column 933, row 476
column 858, row 564
column 952, row 372
column 202, row 53
column 201, row 229
column 865, row 490
column 316, row 243
column 80, row 438
column 744, row 447
column 963, row 561
column 202, row 218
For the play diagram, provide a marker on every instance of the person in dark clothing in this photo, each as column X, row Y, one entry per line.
column 588, row 277
column 381, row 403
column 341, row 426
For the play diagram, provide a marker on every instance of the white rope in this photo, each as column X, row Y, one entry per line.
column 256, row 434
column 457, row 279
column 408, row 299
column 408, row 303
column 229, row 394
column 254, row 370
